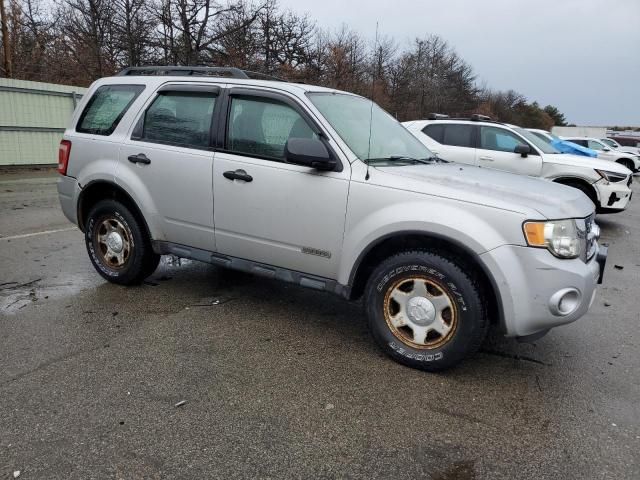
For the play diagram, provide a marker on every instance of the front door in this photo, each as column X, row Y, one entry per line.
column 269, row 211
column 170, row 157
column 496, row 150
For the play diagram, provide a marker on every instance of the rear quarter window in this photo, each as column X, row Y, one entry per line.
column 436, row 132
column 106, row 108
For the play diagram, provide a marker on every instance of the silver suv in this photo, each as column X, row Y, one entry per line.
column 324, row 189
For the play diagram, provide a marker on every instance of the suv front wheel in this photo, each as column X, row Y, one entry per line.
column 119, row 247
column 425, row 311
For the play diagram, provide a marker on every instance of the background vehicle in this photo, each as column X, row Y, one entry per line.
column 615, row 145
column 627, row 140
column 631, row 161
column 563, row 146
column 292, row 182
column 490, row 144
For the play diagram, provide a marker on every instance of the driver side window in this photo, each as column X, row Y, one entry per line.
column 261, row 127
column 595, row 145
column 498, row 139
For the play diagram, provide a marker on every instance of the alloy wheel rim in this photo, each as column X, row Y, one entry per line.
column 420, row 312
column 114, row 243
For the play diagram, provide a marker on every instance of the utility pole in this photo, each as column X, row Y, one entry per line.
column 5, row 41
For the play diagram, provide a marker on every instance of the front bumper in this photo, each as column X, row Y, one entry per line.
column 531, row 282
column 614, row 196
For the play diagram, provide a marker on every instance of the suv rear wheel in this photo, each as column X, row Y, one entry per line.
column 627, row 163
column 118, row 245
column 425, row 311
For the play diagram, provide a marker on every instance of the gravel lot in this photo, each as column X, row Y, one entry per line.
column 283, row 382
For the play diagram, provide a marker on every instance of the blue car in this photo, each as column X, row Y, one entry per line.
column 564, row 146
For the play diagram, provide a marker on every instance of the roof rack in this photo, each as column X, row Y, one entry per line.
column 232, row 72
column 476, row 117
column 436, row 116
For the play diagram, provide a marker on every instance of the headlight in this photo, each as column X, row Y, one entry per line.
column 560, row 237
column 612, row 177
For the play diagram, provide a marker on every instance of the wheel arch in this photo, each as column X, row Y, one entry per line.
column 390, row 244
column 627, row 162
column 569, row 180
column 97, row 190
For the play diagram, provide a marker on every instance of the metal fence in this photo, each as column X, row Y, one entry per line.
column 33, row 117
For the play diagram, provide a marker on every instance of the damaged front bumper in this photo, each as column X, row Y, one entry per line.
column 613, row 196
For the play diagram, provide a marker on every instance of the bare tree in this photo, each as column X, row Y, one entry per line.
column 5, row 41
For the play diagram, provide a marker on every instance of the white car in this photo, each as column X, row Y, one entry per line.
column 615, row 145
column 482, row 142
column 629, row 160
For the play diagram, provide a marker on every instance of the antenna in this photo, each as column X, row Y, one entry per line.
column 373, row 85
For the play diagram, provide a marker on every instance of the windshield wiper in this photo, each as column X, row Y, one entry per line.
column 402, row 158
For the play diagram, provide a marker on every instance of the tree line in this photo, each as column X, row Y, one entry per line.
column 78, row 41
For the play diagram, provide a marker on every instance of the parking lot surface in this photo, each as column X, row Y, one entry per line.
column 207, row 373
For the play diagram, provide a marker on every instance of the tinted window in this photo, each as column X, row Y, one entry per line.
column 261, row 127
column 180, row 118
column 106, row 107
column 493, row 138
column 458, row 135
column 578, row 142
column 435, row 131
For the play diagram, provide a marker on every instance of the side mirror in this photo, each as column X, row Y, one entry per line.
column 309, row 152
column 523, row 150
column 605, row 149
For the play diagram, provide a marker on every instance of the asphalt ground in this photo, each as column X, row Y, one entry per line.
column 282, row 382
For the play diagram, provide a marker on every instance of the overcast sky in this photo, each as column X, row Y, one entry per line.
column 582, row 56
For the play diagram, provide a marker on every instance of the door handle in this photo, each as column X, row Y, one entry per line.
column 488, row 159
column 140, row 158
column 238, row 175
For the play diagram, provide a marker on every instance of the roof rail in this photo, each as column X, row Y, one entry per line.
column 476, row 117
column 232, row 72
column 436, row 116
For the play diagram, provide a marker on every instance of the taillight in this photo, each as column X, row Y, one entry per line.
column 63, row 156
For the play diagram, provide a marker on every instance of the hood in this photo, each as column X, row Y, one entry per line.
column 581, row 161
column 484, row 186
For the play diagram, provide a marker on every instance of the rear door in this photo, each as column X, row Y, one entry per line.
column 168, row 157
column 455, row 141
column 269, row 211
column 496, row 150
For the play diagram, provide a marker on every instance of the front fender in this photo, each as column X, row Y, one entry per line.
column 455, row 221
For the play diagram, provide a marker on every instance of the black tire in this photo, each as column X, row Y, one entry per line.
column 468, row 321
column 136, row 259
column 627, row 163
column 587, row 190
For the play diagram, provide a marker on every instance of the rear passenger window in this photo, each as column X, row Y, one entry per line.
column 458, row 135
column 435, row 131
column 180, row 118
column 106, row 108
column 261, row 127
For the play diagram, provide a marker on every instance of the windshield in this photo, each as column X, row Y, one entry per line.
column 610, row 142
column 544, row 145
column 369, row 131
